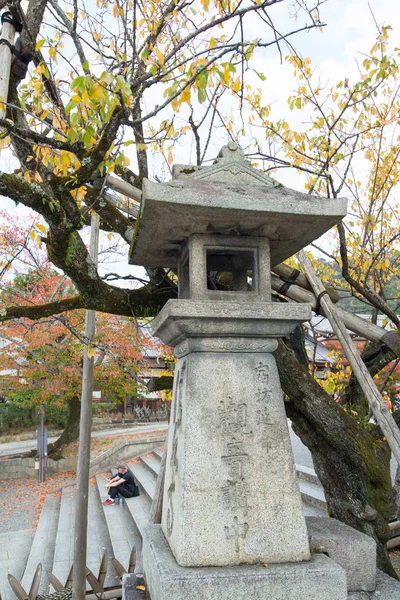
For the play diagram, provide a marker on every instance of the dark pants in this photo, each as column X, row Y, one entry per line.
column 120, row 490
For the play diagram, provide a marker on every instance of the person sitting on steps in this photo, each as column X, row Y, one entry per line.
column 122, row 484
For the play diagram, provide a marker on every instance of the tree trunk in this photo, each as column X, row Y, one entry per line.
column 71, row 431
column 352, row 465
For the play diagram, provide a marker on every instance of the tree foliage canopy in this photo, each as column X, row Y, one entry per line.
column 115, row 88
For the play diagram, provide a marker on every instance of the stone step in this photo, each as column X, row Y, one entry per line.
column 122, row 531
column 312, row 494
column 313, row 511
column 144, row 477
column 307, row 474
column 159, row 453
column 152, row 463
column 139, row 508
column 14, row 552
column 98, row 538
column 64, row 547
column 43, row 545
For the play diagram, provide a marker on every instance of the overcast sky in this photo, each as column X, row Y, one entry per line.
column 350, row 32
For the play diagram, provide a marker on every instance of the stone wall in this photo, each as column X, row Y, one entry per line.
column 13, row 468
column 125, row 450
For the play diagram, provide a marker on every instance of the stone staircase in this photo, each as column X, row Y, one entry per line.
column 116, row 528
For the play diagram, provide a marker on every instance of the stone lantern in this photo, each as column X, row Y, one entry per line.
column 232, row 522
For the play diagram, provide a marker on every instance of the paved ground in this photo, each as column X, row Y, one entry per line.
column 11, row 448
column 21, row 500
column 14, row 550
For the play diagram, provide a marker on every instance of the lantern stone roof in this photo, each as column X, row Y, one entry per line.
column 229, row 197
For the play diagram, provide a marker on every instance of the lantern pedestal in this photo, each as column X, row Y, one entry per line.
column 318, row 579
column 231, row 494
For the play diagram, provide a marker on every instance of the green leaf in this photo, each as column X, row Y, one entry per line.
column 39, row 45
column 107, row 77
column 260, row 75
column 201, row 96
column 123, row 85
column 71, row 104
column 79, row 83
column 202, row 79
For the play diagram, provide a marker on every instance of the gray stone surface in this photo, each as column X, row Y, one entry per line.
column 42, row 550
column 313, row 494
column 98, row 537
column 305, row 473
column 131, row 587
column 387, row 588
column 152, row 463
column 146, row 478
column 64, row 548
column 226, row 326
column 246, row 259
column 228, row 197
column 124, row 450
column 353, row 550
column 14, row 551
column 317, row 579
column 231, row 493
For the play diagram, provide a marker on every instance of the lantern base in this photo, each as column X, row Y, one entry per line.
column 318, row 579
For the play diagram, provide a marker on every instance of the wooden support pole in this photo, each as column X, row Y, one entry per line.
column 123, row 187
column 157, row 504
column 289, row 274
column 8, row 34
column 375, row 400
column 362, row 327
column 85, row 426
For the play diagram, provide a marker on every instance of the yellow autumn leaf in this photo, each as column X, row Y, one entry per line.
column 52, row 52
column 41, row 227
column 205, row 4
column 39, row 45
column 141, row 587
column 185, row 96
column 236, row 84
column 90, row 352
column 76, row 98
column 98, row 92
column 160, row 56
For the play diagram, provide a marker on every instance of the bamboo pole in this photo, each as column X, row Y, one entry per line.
column 85, row 425
column 362, row 327
column 289, row 274
column 375, row 400
column 123, row 188
column 123, row 205
column 8, row 34
column 157, row 504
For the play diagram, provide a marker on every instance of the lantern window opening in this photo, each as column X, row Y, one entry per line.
column 230, row 269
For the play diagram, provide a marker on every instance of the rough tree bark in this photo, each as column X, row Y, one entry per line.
column 352, row 465
column 71, row 431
